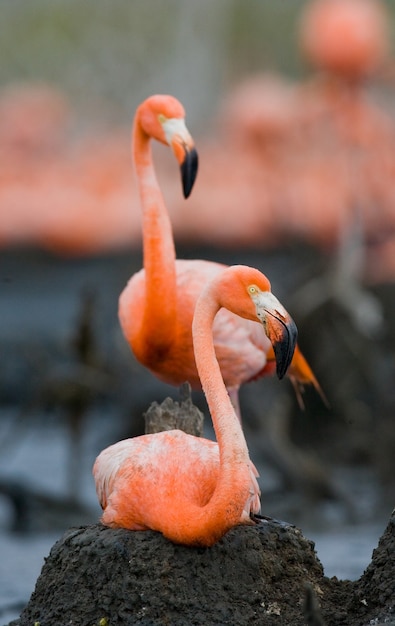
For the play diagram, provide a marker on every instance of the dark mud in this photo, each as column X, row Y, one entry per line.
column 268, row 574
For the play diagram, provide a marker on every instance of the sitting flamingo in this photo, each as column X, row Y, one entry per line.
column 191, row 489
column 156, row 308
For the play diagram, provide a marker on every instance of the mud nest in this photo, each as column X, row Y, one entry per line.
column 266, row 574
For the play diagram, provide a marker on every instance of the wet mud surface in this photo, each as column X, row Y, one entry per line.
column 268, row 574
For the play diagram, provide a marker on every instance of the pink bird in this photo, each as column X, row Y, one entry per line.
column 156, row 308
column 191, row 489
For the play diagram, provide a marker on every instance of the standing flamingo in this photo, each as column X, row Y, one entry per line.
column 157, row 305
column 191, row 489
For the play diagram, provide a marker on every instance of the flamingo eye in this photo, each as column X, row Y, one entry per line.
column 162, row 118
column 252, row 290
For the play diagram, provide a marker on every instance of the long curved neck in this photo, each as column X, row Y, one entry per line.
column 231, row 493
column 228, row 431
column 158, row 245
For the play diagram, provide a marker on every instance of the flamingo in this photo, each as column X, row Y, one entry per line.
column 156, row 307
column 348, row 38
column 190, row 489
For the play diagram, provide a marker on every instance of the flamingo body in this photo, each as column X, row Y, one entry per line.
column 185, row 470
column 240, row 345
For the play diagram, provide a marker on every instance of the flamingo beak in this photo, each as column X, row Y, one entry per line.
column 178, row 137
column 283, row 336
column 279, row 328
column 189, row 167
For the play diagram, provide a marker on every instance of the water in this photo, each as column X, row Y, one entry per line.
column 20, row 565
column 38, row 460
column 346, row 552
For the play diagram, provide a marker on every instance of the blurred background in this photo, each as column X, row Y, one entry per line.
column 292, row 107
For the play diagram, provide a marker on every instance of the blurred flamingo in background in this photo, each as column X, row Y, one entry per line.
column 71, row 198
column 348, row 41
column 347, row 38
column 286, row 148
column 156, row 308
column 191, row 489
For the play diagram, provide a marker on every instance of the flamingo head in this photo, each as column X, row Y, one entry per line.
column 278, row 324
column 247, row 292
column 162, row 117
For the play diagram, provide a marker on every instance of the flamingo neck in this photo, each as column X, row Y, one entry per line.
column 233, row 486
column 158, row 245
column 226, row 424
column 230, row 501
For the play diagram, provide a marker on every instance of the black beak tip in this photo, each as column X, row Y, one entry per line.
column 285, row 349
column 189, row 170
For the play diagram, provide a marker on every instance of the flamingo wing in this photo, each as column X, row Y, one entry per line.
column 141, row 480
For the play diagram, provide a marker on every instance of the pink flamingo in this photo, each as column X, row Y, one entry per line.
column 156, row 308
column 191, row 489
